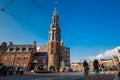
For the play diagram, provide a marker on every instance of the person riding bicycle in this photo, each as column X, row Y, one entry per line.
column 86, row 68
column 96, row 67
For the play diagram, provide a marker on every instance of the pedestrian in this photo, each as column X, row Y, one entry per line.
column 118, row 66
column 53, row 68
column 86, row 68
column 96, row 67
column 56, row 69
column 16, row 69
column 103, row 68
column 117, row 77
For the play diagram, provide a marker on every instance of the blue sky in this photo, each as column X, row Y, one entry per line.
column 88, row 27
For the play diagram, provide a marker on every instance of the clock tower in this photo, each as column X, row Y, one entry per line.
column 54, row 47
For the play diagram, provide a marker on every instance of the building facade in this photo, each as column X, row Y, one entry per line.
column 42, row 48
column 77, row 66
column 18, row 54
column 108, row 64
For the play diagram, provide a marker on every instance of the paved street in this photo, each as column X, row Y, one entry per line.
column 57, row 76
column 101, row 77
column 106, row 76
column 44, row 76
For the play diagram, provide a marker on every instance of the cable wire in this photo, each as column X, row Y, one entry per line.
column 32, row 25
column 8, row 4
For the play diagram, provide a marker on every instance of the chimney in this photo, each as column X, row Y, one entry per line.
column 34, row 46
column 10, row 43
column 34, row 43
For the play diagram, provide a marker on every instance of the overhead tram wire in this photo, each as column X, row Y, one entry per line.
column 77, row 36
column 40, row 7
column 3, row 8
column 8, row 4
column 32, row 25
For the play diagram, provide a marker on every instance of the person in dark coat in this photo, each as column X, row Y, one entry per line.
column 86, row 68
column 96, row 67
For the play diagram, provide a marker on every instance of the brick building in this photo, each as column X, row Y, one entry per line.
column 18, row 54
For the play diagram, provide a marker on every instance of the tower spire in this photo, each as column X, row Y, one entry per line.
column 54, row 33
column 55, row 11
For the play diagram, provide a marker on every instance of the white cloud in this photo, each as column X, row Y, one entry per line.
column 108, row 53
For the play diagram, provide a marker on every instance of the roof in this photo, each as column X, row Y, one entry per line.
column 41, row 54
column 105, row 59
column 115, row 56
column 19, row 48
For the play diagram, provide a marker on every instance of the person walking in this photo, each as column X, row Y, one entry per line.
column 117, row 77
column 86, row 68
column 96, row 67
column 103, row 68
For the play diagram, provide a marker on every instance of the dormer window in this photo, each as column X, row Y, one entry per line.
column 11, row 49
column 30, row 49
column 23, row 49
column 17, row 49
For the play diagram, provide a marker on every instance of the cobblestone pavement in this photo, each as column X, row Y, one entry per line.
column 57, row 76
